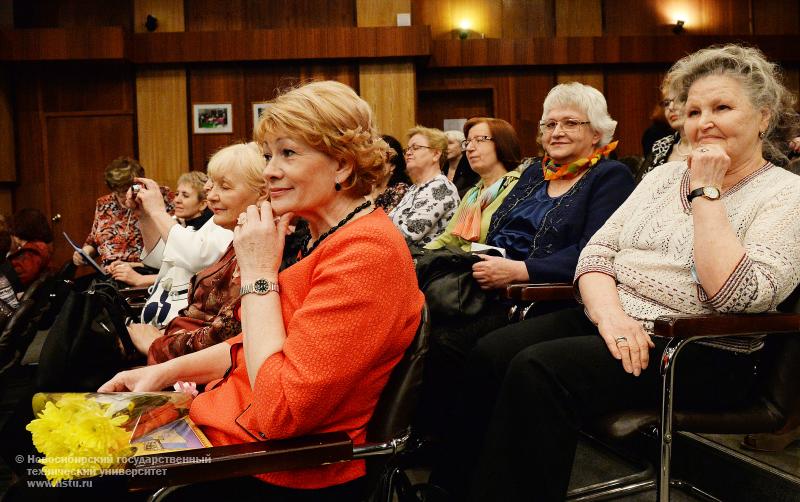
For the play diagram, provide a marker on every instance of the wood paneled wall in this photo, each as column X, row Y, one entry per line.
column 213, row 15
column 243, row 85
column 486, row 18
column 161, row 108
column 68, row 129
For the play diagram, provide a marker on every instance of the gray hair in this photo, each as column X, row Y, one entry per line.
column 456, row 135
column 587, row 99
column 760, row 80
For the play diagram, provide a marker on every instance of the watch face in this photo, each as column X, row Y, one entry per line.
column 261, row 286
column 711, row 192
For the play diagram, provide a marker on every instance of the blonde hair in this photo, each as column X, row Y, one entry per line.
column 245, row 160
column 330, row 117
column 436, row 140
column 196, row 180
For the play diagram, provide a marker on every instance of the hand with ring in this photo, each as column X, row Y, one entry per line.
column 627, row 341
column 708, row 165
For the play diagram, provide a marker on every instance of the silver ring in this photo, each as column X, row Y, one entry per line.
column 242, row 219
column 620, row 339
column 703, row 150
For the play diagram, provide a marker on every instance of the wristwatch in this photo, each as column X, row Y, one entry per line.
column 710, row 193
column 260, row 287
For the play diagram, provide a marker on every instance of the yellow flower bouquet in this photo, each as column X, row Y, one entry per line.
column 89, row 434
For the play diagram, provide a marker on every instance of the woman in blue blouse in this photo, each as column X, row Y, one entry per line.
column 543, row 224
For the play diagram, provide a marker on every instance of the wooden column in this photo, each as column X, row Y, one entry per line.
column 161, row 109
column 580, row 18
column 390, row 87
column 8, row 166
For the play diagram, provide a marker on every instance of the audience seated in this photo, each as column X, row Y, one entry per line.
column 715, row 233
column 431, row 201
column 559, row 202
column 674, row 146
column 31, row 248
column 457, row 168
column 115, row 237
column 178, row 249
column 319, row 339
column 493, row 153
column 236, row 183
column 389, row 193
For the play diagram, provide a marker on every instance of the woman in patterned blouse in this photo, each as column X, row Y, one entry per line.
column 431, row 201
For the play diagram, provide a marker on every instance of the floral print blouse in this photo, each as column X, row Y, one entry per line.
column 391, row 197
column 115, row 231
column 425, row 210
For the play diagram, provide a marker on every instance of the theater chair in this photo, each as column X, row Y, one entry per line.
column 388, row 433
column 774, row 405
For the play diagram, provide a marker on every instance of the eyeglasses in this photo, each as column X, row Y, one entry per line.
column 477, row 139
column 414, row 148
column 665, row 103
column 568, row 125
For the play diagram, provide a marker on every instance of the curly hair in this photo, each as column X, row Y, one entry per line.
column 196, row 180
column 587, row 99
column 436, row 140
column 120, row 172
column 333, row 119
column 761, row 81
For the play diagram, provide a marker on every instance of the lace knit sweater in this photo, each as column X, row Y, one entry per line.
column 647, row 246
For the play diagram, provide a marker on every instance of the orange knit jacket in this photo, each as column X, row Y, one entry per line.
column 350, row 309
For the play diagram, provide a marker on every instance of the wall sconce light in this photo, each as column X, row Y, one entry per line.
column 463, row 28
column 678, row 28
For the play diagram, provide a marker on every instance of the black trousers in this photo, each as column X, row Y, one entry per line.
column 532, row 385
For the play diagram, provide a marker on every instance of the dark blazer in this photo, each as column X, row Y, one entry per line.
column 569, row 225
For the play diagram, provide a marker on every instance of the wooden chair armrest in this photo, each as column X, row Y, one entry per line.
column 220, row 462
column 541, row 292
column 718, row 325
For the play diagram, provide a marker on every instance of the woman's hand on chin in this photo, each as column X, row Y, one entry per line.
column 258, row 241
column 144, row 379
column 707, row 166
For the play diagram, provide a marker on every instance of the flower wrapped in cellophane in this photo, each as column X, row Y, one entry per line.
column 90, row 434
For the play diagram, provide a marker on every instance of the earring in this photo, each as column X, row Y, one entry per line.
column 761, row 134
column 337, row 186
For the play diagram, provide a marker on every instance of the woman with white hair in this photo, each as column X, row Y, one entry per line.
column 543, row 223
column 457, row 168
column 715, row 233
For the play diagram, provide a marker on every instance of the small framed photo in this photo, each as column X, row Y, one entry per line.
column 258, row 109
column 213, row 118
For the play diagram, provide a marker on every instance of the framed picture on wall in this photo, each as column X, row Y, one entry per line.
column 213, row 118
column 258, row 109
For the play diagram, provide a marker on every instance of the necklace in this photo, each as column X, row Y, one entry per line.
column 305, row 250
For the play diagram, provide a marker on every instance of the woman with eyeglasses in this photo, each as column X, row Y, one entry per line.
column 492, row 148
column 542, row 224
column 431, row 201
column 675, row 146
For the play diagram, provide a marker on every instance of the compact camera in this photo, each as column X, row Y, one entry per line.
column 135, row 188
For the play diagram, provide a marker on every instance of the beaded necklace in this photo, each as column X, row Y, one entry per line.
column 305, row 250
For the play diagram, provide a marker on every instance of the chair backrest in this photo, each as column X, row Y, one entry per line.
column 35, row 287
column 399, row 398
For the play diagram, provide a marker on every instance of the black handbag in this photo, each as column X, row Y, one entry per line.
column 445, row 277
column 88, row 342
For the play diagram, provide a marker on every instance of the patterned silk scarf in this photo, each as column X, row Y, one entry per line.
column 468, row 220
column 553, row 171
